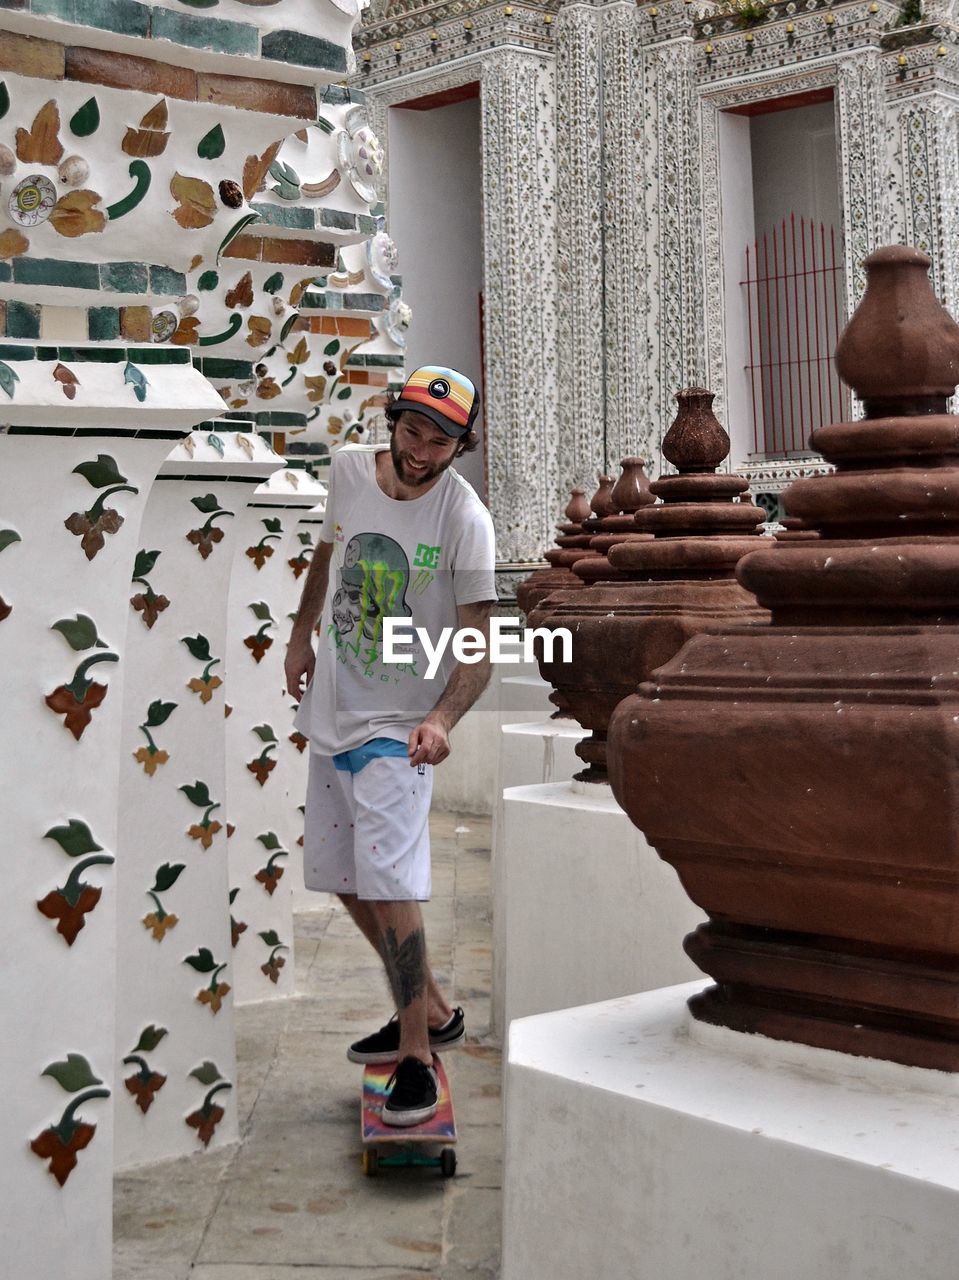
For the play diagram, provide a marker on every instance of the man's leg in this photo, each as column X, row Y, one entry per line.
column 404, row 956
column 364, row 915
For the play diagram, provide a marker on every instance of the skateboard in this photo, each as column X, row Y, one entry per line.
column 391, row 1146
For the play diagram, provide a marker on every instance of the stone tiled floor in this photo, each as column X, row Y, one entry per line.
column 290, row 1201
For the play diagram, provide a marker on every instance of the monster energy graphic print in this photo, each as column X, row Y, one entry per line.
column 415, row 560
column 373, row 583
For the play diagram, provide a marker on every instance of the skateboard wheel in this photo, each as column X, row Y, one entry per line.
column 448, row 1162
column 371, row 1163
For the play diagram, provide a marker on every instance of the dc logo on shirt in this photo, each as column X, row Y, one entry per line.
column 426, row 557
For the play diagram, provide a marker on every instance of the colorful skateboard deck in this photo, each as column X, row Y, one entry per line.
column 406, row 1145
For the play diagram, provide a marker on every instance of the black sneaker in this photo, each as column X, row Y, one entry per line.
column 384, row 1045
column 413, row 1092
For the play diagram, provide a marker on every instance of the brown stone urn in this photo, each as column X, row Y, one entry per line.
column 618, row 503
column 670, row 576
column 803, row 777
column 571, row 545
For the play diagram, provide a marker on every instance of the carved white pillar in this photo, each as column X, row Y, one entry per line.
column 675, row 328
column 176, row 959
column 581, row 349
column 520, row 277
column 631, row 423
column 862, row 165
column 925, row 167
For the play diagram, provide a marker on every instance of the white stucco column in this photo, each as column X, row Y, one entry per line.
column 861, row 116
column 925, row 171
column 632, row 426
column 580, row 322
column 520, row 276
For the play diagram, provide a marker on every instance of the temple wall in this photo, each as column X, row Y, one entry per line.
column 641, row 304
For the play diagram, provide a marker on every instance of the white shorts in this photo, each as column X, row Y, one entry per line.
column 367, row 826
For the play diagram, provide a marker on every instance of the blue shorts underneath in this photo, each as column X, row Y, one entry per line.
column 358, row 758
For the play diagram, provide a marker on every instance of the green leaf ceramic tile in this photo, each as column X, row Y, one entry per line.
column 207, row 1073
column 150, row 1037
column 101, row 472
column 75, row 839
column 73, row 1074
column 80, row 632
column 8, row 378
column 137, row 380
column 144, row 563
column 86, row 119
column 203, row 961
column 199, row 647
column 212, row 145
column 198, row 794
column 167, row 876
column 159, row 713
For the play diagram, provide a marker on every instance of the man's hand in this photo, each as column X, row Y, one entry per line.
column 429, row 743
column 299, row 666
column 300, row 658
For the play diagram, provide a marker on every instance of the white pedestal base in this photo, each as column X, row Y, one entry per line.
column 535, row 752
column 539, row 751
column 641, row 1144
column 586, row 909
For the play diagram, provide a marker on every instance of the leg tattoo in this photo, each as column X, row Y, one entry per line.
column 405, row 965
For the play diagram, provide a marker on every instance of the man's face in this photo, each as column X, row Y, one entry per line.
column 420, row 450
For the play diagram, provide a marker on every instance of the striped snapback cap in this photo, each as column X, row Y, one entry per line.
column 445, row 396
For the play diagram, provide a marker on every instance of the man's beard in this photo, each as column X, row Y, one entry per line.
column 415, row 478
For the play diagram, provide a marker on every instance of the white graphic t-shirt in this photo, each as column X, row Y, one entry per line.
column 415, row 560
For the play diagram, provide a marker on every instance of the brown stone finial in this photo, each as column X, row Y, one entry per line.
column 664, row 573
column 698, row 500
column 602, row 500
column 577, row 509
column 837, row 925
column 572, row 545
column 631, row 491
column 900, row 350
column 696, row 441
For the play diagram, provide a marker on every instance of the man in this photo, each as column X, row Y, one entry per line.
column 405, row 537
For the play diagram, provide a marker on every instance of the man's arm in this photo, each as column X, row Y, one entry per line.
column 429, row 743
column 300, row 657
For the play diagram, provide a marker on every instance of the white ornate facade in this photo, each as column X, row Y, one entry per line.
column 620, row 105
